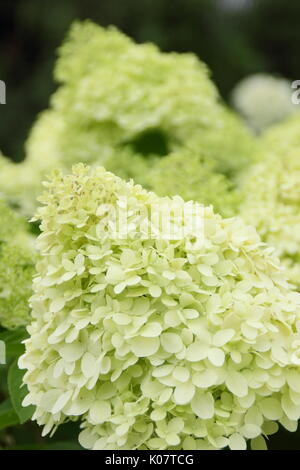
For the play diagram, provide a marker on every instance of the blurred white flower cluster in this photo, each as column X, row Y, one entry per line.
column 157, row 344
column 149, row 340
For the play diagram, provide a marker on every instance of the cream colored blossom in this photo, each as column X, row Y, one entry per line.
column 193, row 178
column 272, row 194
column 17, row 260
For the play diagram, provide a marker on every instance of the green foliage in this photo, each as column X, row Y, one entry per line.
column 11, row 412
column 141, row 91
column 234, row 42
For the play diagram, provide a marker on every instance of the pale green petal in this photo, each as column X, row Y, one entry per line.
column 237, row 442
column 171, row 342
column 203, row 405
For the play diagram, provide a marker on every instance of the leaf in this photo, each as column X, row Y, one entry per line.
column 8, row 416
column 17, row 394
column 259, row 443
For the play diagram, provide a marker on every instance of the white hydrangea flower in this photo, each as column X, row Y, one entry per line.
column 272, row 194
column 263, row 100
column 17, row 261
column 155, row 343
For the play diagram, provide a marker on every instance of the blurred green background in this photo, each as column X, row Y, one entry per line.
column 234, row 37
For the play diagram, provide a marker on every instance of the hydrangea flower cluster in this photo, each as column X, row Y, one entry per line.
column 17, row 260
column 263, row 100
column 283, row 137
column 126, row 106
column 272, row 194
column 152, row 342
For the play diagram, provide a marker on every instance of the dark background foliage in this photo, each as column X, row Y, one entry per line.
column 234, row 37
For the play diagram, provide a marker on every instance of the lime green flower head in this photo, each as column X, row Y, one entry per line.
column 20, row 184
column 17, row 259
column 184, row 336
column 272, row 194
column 126, row 106
column 283, row 137
column 185, row 173
column 122, row 94
column 263, row 100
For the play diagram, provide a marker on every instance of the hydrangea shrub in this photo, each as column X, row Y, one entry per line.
column 17, row 260
column 157, row 343
column 127, row 106
column 272, row 194
column 263, row 100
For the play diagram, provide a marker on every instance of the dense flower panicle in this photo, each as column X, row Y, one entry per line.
column 195, row 180
column 155, row 343
column 272, row 194
column 126, row 106
column 283, row 137
column 263, row 100
column 17, row 260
